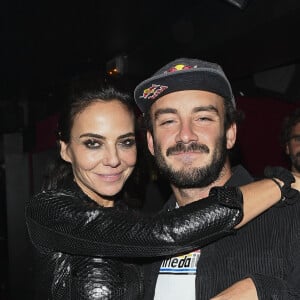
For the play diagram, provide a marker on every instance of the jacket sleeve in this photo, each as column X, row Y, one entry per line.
column 64, row 223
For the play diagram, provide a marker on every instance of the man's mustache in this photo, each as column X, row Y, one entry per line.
column 180, row 147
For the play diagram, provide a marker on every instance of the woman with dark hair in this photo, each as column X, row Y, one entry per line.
column 86, row 239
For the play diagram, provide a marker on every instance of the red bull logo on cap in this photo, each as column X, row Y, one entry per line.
column 153, row 91
column 179, row 67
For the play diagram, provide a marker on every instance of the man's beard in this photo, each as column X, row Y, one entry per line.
column 295, row 159
column 194, row 177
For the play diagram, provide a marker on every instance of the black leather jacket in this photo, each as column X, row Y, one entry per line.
column 85, row 251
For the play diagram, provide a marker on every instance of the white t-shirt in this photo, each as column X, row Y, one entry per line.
column 176, row 279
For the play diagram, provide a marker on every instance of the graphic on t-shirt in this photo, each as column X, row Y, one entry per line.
column 183, row 264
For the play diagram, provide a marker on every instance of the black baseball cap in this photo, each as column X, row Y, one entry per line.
column 183, row 74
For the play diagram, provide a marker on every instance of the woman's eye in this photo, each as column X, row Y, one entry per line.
column 92, row 144
column 128, row 143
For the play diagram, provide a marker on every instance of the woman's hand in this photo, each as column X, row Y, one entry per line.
column 296, row 184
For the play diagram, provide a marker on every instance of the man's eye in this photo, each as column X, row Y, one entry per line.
column 297, row 138
column 92, row 144
column 204, row 118
column 128, row 143
column 166, row 122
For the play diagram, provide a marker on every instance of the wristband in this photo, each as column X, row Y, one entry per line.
column 288, row 194
column 278, row 184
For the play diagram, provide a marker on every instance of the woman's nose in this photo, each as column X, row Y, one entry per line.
column 111, row 158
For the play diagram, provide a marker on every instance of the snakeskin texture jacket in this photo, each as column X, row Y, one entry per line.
column 85, row 251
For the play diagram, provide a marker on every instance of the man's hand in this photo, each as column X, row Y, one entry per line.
column 241, row 290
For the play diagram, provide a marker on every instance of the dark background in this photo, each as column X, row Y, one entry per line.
column 45, row 44
column 48, row 47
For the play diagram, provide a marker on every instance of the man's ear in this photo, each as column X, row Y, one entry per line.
column 150, row 142
column 64, row 153
column 287, row 149
column 231, row 136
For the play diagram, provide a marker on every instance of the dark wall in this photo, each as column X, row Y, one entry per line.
column 258, row 135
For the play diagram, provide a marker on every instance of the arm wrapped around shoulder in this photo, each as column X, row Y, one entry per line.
column 65, row 222
column 228, row 196
column 232, row 198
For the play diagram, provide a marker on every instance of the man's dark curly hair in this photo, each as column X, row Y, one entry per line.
column 288, row 123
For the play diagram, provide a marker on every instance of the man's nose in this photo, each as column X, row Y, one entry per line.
column 186, row 133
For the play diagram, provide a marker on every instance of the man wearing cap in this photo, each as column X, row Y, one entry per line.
column 191, row 118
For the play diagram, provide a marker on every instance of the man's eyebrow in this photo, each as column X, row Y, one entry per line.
column 210, row 108
column 295, row 136
column 162, row 111
column 169, row 110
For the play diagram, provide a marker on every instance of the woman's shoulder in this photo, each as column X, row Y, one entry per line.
column 54, row 193
column 67, row 194
column 58, row 203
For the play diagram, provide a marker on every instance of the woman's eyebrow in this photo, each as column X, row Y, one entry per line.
column 129, row 134
column 95, row 135
column 99, row 136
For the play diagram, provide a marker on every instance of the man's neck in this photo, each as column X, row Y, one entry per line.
column 189, row 195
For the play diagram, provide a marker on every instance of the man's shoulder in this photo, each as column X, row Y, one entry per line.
column 240, row 176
